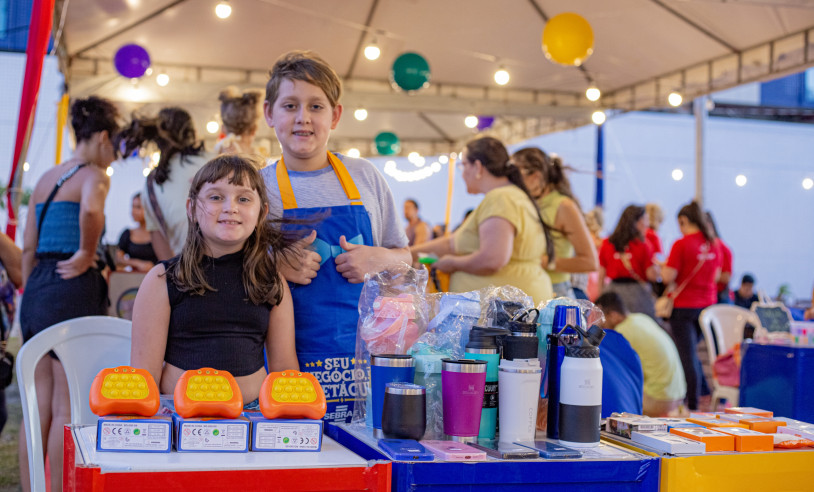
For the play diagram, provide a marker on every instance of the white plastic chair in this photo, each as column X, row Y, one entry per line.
column 85, row 346
column 727, row 323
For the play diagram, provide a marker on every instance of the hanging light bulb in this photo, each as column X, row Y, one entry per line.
column 223, row 10
column 740, row 180
column 162, row 79
column 593, row 93
column 502, row 77
column 677, row 174
column 808, row 183
column 212, row 127
column 354, row 152
column 598, row 117
column 675, row 99
column 145, row 171
column 109, row 171
column 471, row 121
column 27, row 166
column 360, row 114
column 372, row 51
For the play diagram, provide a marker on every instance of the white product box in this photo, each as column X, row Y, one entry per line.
column 211, row 434
column 669, row 443
column 285, row 434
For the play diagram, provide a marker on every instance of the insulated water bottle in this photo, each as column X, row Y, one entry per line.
column 522, row 343
column 483, row 346
column 462, row 383
column 519, row 383
column 387, row 368
column 581, row 390
column 566, row 318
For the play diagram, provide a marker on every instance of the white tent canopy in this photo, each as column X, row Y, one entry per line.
column 643, row 50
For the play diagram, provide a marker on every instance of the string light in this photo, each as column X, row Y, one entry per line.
column 392, row 170
column 598, row 117
column 27, row 166
column 593, row 93
column 740, row 180
column 443, row 159
column 354, row 152
column 471, row 121
column 109, row 171
column 223, row 10
column 677, row 174
column 502, row 76
column 808, row 183
column 360, row 114
column 212, row 127
column 162, row 79
column 675, row 99
column 145, row 171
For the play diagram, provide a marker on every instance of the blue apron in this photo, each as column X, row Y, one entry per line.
column 326, row 311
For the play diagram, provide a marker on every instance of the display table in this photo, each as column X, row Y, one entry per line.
column 617, row 470
column 333, row 468
column 775, row 470
column 779, row 378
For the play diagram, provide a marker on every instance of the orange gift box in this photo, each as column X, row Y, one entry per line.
column 715, row 441
column 769, row 426
column 717, row 423
column 749, row 440
column 751, row 411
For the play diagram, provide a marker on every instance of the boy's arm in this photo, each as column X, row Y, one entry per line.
column 359, row 259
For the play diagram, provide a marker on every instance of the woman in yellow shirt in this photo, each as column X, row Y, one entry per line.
column 503, row 241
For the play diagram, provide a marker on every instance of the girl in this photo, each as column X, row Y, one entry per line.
column 181, row 155
column 547, row 183
column 62, row 277
column 694, row 265
column 503, row 241
column 135, row 249
column 240, row 113
column 627, row 259
column 222, row 299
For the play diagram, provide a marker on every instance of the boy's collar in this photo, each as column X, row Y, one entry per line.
column 300, row 165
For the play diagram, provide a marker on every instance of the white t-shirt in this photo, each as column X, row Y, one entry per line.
column 171, row 196
column 321, row 188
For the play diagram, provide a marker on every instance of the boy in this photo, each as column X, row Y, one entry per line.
column 664, row 384
column 352, row 226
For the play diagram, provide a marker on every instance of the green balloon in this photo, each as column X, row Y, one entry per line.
column 410, row 72
column 387, row 143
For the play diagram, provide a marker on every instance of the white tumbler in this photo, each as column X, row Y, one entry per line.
column 519, row 382
column 580, row 399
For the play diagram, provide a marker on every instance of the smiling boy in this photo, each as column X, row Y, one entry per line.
column 354, row 229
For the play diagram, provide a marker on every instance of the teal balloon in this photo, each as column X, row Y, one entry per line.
column 387, row 143
column 410, row 72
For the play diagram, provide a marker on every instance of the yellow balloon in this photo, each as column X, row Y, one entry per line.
column 568, row 39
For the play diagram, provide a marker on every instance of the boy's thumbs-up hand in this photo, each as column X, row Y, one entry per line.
column 355, row 262
column 301, row 264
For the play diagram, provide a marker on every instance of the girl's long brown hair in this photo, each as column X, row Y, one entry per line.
column 262, row 251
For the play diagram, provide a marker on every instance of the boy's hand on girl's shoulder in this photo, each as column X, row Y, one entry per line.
column 302, row 264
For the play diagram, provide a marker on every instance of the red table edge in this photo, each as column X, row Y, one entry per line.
column 83, row 478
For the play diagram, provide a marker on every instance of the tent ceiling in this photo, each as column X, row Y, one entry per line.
column 643, row 50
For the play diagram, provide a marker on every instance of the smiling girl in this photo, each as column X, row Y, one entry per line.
column 222, row 300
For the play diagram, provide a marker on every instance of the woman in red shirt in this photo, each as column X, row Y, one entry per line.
column 693, row 266
column 627, row 259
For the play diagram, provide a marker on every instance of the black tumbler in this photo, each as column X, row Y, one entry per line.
column 404, row 414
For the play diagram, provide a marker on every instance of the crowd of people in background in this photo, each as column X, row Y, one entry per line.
column 235, row 231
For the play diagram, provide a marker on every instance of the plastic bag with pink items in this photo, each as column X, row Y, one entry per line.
column 392, row 328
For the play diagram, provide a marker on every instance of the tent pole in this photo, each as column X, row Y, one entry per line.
column 699, row 107
column 600, row 164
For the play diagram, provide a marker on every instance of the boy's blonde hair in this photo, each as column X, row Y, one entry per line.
column 308, row 67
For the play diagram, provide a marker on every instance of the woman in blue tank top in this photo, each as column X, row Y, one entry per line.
column 60, row 268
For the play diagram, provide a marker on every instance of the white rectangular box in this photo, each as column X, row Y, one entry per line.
column 211, row 435
column 623, row 426
column 134, row 434
column 669, row 443
column 285, row 434
column 805, row 432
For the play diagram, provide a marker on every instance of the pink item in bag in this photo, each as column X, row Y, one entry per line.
column 391, row 329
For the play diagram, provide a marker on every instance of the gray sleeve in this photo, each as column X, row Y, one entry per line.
column 392, row 232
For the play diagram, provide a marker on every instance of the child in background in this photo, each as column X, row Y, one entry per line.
column 222, row 300
column 354, row 224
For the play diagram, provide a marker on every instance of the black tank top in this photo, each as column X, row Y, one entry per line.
column 222, row 329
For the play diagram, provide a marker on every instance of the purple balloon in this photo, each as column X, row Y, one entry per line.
column 485, row 122
column 131, row 61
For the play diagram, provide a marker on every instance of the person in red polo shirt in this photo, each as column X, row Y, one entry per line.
column 693, row 268
column 626, row 258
